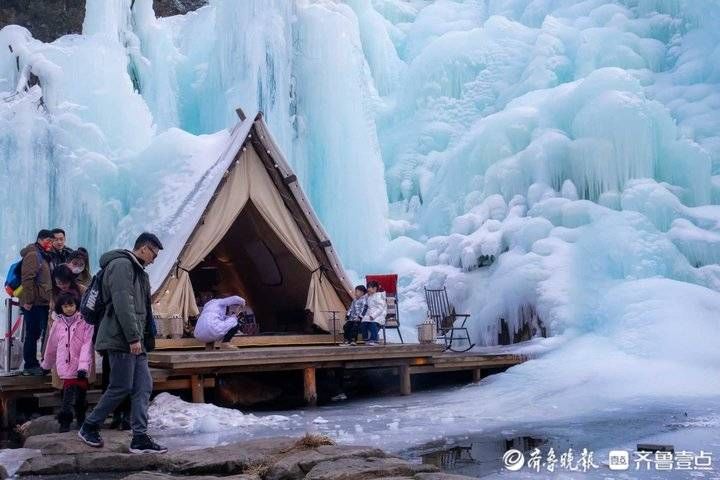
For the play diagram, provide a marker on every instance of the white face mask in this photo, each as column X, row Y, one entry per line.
column 76, row 270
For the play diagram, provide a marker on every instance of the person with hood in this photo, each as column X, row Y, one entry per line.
column 218, row 321
column 126, row 333
column 375, row 314
column 60, row 253
column 35, row 296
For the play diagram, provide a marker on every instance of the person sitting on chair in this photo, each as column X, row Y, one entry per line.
column 375, row 315
column 218, row 321
column 358, row 309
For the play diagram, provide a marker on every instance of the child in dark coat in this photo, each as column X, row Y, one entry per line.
column 357, row 311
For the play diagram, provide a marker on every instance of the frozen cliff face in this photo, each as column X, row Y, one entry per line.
column 558, row 160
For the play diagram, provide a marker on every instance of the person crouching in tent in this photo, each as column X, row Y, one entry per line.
column 218, row 321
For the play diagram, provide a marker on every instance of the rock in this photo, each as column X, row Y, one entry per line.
column 228, row 459
column 117, row 462
column 295, row 464
column 48, row 465
column 362, row 468
column 69, row 443
column 165, row 476
column 3, row 473
column 38, row 426
column 269, row 459
column 441, row 476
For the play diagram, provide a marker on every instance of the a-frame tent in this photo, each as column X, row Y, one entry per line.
column 257, row 237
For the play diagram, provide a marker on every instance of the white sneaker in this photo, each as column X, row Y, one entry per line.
column 371, row 344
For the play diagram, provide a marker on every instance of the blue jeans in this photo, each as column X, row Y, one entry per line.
column 35, row 322
column 370, row 331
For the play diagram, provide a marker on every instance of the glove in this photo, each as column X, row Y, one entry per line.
column 81, row 374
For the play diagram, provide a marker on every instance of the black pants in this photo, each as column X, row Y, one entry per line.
column 231, row 333
column 74, row 399
column 35, row 321
column 350, row 330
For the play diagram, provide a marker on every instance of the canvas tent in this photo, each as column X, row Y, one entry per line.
column 257, row 236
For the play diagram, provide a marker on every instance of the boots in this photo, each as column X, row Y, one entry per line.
column 64, row 419
column 65, row 415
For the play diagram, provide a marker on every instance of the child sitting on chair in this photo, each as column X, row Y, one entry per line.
column 374, row 318
column 355, row 314
column 218, row 321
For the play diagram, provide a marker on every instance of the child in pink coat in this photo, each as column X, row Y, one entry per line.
column 70, row 351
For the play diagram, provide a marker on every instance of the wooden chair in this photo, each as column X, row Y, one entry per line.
column 388, row 284
column 447, row 321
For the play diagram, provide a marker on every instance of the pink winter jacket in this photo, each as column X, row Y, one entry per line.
column 69, row 347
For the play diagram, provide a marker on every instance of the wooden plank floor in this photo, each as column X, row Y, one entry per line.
column 287, row 357
column 249, row 341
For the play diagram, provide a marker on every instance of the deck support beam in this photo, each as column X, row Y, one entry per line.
column 310, row 386
column 477, row 375
column 405, row 383
column 8, row 411
column 197, row 385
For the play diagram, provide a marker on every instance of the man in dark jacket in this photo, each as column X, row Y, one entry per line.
column 60, row 253
column 35, row 296
column 125, row 334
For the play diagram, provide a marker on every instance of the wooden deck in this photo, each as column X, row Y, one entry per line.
column 409, row 359
column 189, row 367
column 249, row 341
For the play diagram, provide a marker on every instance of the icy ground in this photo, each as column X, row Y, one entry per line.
column 437, row 420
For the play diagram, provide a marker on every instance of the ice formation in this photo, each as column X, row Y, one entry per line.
column 170, row 415
column 556, row 160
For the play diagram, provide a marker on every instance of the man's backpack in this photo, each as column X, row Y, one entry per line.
column 13, row 279
column 92, row 304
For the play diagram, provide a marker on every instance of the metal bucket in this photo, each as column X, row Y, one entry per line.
column 426, row 333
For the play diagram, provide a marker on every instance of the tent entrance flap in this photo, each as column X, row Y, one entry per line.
column 251, row 261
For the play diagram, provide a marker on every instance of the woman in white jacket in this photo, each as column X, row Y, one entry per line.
column 375, row 316
column 218, row 321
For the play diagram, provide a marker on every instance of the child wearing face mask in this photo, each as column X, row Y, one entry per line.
column 81, row 258
column 70, row 351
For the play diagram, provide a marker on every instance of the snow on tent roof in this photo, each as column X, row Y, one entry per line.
column 181, row 224
column 251, row 172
